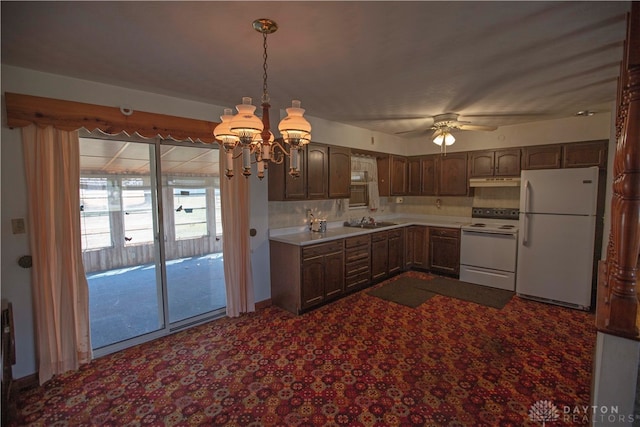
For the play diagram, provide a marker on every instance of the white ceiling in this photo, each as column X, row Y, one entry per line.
column 386, row 66
column 114, row 156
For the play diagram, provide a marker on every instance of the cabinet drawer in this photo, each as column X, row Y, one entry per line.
column 395, row 233
column 357, row 267
column 357, row 241
column 357, row 254
column 445, row 232
column 322, row 249
column 357, row 279
column 380, row 235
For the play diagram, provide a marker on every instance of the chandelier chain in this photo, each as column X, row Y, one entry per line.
column 265, row 94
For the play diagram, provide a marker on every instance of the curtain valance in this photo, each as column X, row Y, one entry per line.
column 23, row 110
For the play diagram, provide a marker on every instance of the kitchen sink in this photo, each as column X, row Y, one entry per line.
column 379, row 224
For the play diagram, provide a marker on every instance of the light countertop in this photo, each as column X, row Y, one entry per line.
column 301, row 236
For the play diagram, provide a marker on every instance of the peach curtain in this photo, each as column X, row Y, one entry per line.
column 60, row 290
column 236, row 247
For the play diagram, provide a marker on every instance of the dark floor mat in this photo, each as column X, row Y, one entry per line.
column 402, row 293
column 412, row 291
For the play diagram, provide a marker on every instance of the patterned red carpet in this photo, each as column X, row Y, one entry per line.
column 361, row 361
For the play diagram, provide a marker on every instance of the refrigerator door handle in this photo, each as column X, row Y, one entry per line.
column 525, row 214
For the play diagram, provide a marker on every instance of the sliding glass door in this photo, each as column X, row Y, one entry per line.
column 193, row 231
column 152, row 238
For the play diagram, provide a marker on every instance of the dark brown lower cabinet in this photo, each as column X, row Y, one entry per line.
column 444, row 251
column 357, row 262
column 322, row 273
column 396, row 251
column 417, row 247
column 305, row 277
column 379, row 255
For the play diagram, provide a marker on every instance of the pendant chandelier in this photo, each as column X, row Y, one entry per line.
column 244, row 134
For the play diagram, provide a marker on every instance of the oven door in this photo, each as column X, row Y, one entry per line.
column 489, row 259
column 495, row 251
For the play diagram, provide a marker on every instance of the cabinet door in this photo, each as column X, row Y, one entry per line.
column 444, row 251
column 384, row 175
column 317, row 171
column 481, row 164
column 339, row 172
column 452, row 175
column 541, row 157
column 334, row 274
column 507, row 162
column 313, row 282
column 429, row 177
column 379, row 255
column 396, row 251
column 585, row 154
column 295, row 188
column 398, row 176
column 414, row 177
column 417, row 243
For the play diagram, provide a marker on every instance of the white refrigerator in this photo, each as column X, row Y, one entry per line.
column 557, row 226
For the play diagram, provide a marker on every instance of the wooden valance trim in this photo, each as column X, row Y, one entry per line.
column 23, row 110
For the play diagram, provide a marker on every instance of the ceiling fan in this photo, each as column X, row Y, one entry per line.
column 449, row 121
column 444, row 123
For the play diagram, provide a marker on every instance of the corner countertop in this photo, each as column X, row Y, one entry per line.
column 301, row 236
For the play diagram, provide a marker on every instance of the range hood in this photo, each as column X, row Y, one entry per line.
column 495, row 182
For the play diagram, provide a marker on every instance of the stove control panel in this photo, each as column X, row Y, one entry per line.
column 495, row 213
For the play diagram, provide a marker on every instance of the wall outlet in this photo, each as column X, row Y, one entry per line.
column 399, row 200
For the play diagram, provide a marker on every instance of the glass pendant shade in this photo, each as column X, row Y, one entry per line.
column 295, row 129
column 245, row 124
column 223, row 133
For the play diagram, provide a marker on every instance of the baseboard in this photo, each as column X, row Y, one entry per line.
column 263, row 304
column 24, row 383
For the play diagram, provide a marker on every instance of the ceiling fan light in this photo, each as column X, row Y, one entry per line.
column 448, row 139
column 443, row 137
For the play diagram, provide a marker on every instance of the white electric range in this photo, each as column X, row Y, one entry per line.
column 489, row 248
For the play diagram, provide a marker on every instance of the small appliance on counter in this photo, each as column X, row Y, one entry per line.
column 318, row 225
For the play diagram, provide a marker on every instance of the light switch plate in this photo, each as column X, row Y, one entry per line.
column 17, row 226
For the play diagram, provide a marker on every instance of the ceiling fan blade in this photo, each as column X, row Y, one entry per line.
column 476, row 127
column 437, row 132
column 405, row 132
column 386, row 118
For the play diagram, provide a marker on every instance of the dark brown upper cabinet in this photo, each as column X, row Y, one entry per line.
column 392, row 175
column 313, row 182
column 490, row 163
column 452, row 175
column 585, row 154
column 542, row 157
column 317, row 171
column 339, row 172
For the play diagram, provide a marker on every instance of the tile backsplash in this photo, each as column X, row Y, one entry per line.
column 294, row 213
